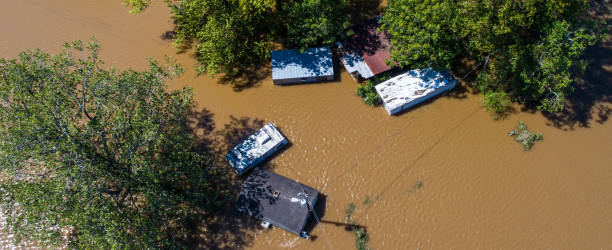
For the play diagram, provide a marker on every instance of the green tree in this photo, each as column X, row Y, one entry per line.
column 496, row 102
column 231, row 34
column 529, row 49
column 314, row 22
column 234, row 35
column 103, row 155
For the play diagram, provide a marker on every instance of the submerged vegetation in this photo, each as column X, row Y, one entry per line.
column 361, row 234
column 96, row 158
column 368, row 92
column 418, row 185
column 524, row 136
column 348, row 212
column 367, row 200
column 362, row 238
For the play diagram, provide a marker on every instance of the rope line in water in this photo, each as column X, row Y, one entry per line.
column 421, row 156
column 376, row 148
column 388, row 139
column 314, row 213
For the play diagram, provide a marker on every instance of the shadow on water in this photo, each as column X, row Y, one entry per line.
column 592, row 92
column 239, row 77
column 319, row 211
column 592, row 96
column 367, row 44
column 246, row 77
column 251, row 72
column 363, row 10
column 225, row 228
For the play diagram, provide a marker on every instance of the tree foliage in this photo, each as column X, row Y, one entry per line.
column 97, row 158
column 231, row 34
column 496, row 102
column 528, row 49
column 235, row 34
column 314, row 22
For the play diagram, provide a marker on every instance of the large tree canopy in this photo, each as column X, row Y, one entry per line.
column 97, row 158
column 314, row 22
column 528, row 50
column 235, row 34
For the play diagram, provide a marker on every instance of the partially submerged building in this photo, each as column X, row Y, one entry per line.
column 256, row 148
column 365, row 54
column 413, row 87
column 277, row 200
column 314, row 65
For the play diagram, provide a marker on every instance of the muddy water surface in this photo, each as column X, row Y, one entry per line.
column 442, row 175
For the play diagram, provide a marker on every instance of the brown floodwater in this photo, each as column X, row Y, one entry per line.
column 442, row 175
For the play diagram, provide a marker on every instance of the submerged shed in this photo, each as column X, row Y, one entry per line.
column 256, row 148
column 413, row 87
column 278, row 200
column 314, row 65
column 365, row 54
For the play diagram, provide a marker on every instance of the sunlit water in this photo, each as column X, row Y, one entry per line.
column 442, row 175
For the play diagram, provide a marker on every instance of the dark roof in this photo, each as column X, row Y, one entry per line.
column 268, row 196
column 370, row 44
column 314, row 62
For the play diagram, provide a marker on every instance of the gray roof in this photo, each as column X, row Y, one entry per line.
column 314, row 62
column 276, row 199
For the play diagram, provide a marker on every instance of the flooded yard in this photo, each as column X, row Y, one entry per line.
column 441, row 175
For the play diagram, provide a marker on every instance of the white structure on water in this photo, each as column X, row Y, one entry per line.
column 313, row 65
column 255, row 149
column 413, row 87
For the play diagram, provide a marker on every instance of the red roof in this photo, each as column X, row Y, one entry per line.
column 370, row 44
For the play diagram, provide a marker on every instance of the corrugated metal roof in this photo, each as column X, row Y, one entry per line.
column 314, row 62
column 355, row 63
column 413, row 87
column 373, row 46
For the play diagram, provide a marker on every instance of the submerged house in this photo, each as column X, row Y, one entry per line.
column 314, row 65
column 256, row 148
column 365, row 54
column 413, row 87
column 277, row 200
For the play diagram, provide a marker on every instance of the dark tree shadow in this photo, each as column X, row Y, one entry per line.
column 237, row 130
column 225, row 228
column 465, row 71
column 250, row 73
column 366, row 40
column 317, row 215
column 363, row 10
column 460, row 91
column 168, row 35
column 247, row 77
column 368, row 45
column 592, row 96
column 182, row 48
